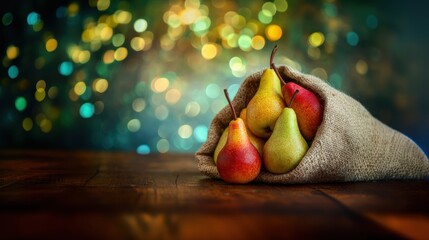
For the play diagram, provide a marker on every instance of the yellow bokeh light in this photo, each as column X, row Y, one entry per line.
column 225, row 30
column 273, row 32
column 100, row 85
column 88, row 35
column 45, row 125
column 73, row 52
column 173, row 96
column 361, row 67
column 139, row 104
column 40, row 94
column 53, row 92
column 185, row 131
column 73, row 9
column 161, row 112
column 313, row 53
column 106, row 33
column 123, row 17
column 316, row 39
column 51, row 44
column 103, row 5
column 41, row 84
column 109, row 56
column 258, row 42
column 38, row 26
column 238, row 21
column 232, row 40
column 79, row 88
column 27, row 124
column 12, row 52
column 167, row 43
column 189, row 15
column 320, row 72
column 160, row 85
column 72, row 95
column 209, row 51
column 134, row 125
column 163, row 146
column 281, row 5
column 120, row 54
column 192, row 109
column 137, row 44
column 84, row 56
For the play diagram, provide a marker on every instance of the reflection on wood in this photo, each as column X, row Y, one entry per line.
column 59, row 194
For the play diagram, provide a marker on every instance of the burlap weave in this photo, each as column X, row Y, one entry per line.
column 350, row 144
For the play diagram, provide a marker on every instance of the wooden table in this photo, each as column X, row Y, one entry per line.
column 110, row 195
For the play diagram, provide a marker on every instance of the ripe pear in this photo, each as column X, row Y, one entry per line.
column 286, row 147
column 255, row 140
column 238, row 161
column 308, row 108
column 267, row 103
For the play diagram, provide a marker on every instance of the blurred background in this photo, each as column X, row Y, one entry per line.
column 147, row 76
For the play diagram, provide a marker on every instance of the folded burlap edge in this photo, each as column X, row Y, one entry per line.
column 376, row 151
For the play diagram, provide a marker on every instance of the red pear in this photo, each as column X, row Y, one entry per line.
column 308, row 108
column 238, row 161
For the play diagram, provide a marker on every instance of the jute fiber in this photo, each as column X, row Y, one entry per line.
column 350, row 144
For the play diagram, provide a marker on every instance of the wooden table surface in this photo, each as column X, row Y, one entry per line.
column 111, row 195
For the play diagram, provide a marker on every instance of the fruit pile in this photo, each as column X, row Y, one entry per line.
column 273, row 132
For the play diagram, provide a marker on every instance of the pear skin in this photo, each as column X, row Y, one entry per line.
column 256, row 141
column 308, row 108
column 220, row 144
column 266, row 105
column 238, row 161
column 286, row 147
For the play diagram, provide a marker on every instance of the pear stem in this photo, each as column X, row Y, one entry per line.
column 277, row 73
column 230, row 104
column 293, row 97
column 272, row 55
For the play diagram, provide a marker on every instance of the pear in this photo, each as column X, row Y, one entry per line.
column 238, row 161
column 286, row 147
column 267, row 103
column 255, row 140
column 308, row 107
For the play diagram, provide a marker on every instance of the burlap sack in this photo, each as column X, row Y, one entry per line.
column 350, row 144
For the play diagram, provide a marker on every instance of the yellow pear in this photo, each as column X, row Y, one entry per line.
column 267, row 103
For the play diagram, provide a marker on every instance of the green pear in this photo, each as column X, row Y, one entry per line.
column 286, row 147
column 267, row 103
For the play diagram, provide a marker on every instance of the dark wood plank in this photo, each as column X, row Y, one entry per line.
column 401, row 206
column 124, row 195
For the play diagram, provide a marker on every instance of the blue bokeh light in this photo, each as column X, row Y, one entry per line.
column 200, row 133
column 143, row 149
column 372, row 21
column 65, row 68
column 33, row 18
column 13, row 71
column 352, row 38
column 86, row 110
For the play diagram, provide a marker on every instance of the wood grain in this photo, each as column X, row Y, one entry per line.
column 120, row 195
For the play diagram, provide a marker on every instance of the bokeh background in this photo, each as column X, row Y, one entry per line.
column 147, row 76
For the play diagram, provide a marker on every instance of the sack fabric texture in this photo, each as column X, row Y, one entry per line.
column 350, row 144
